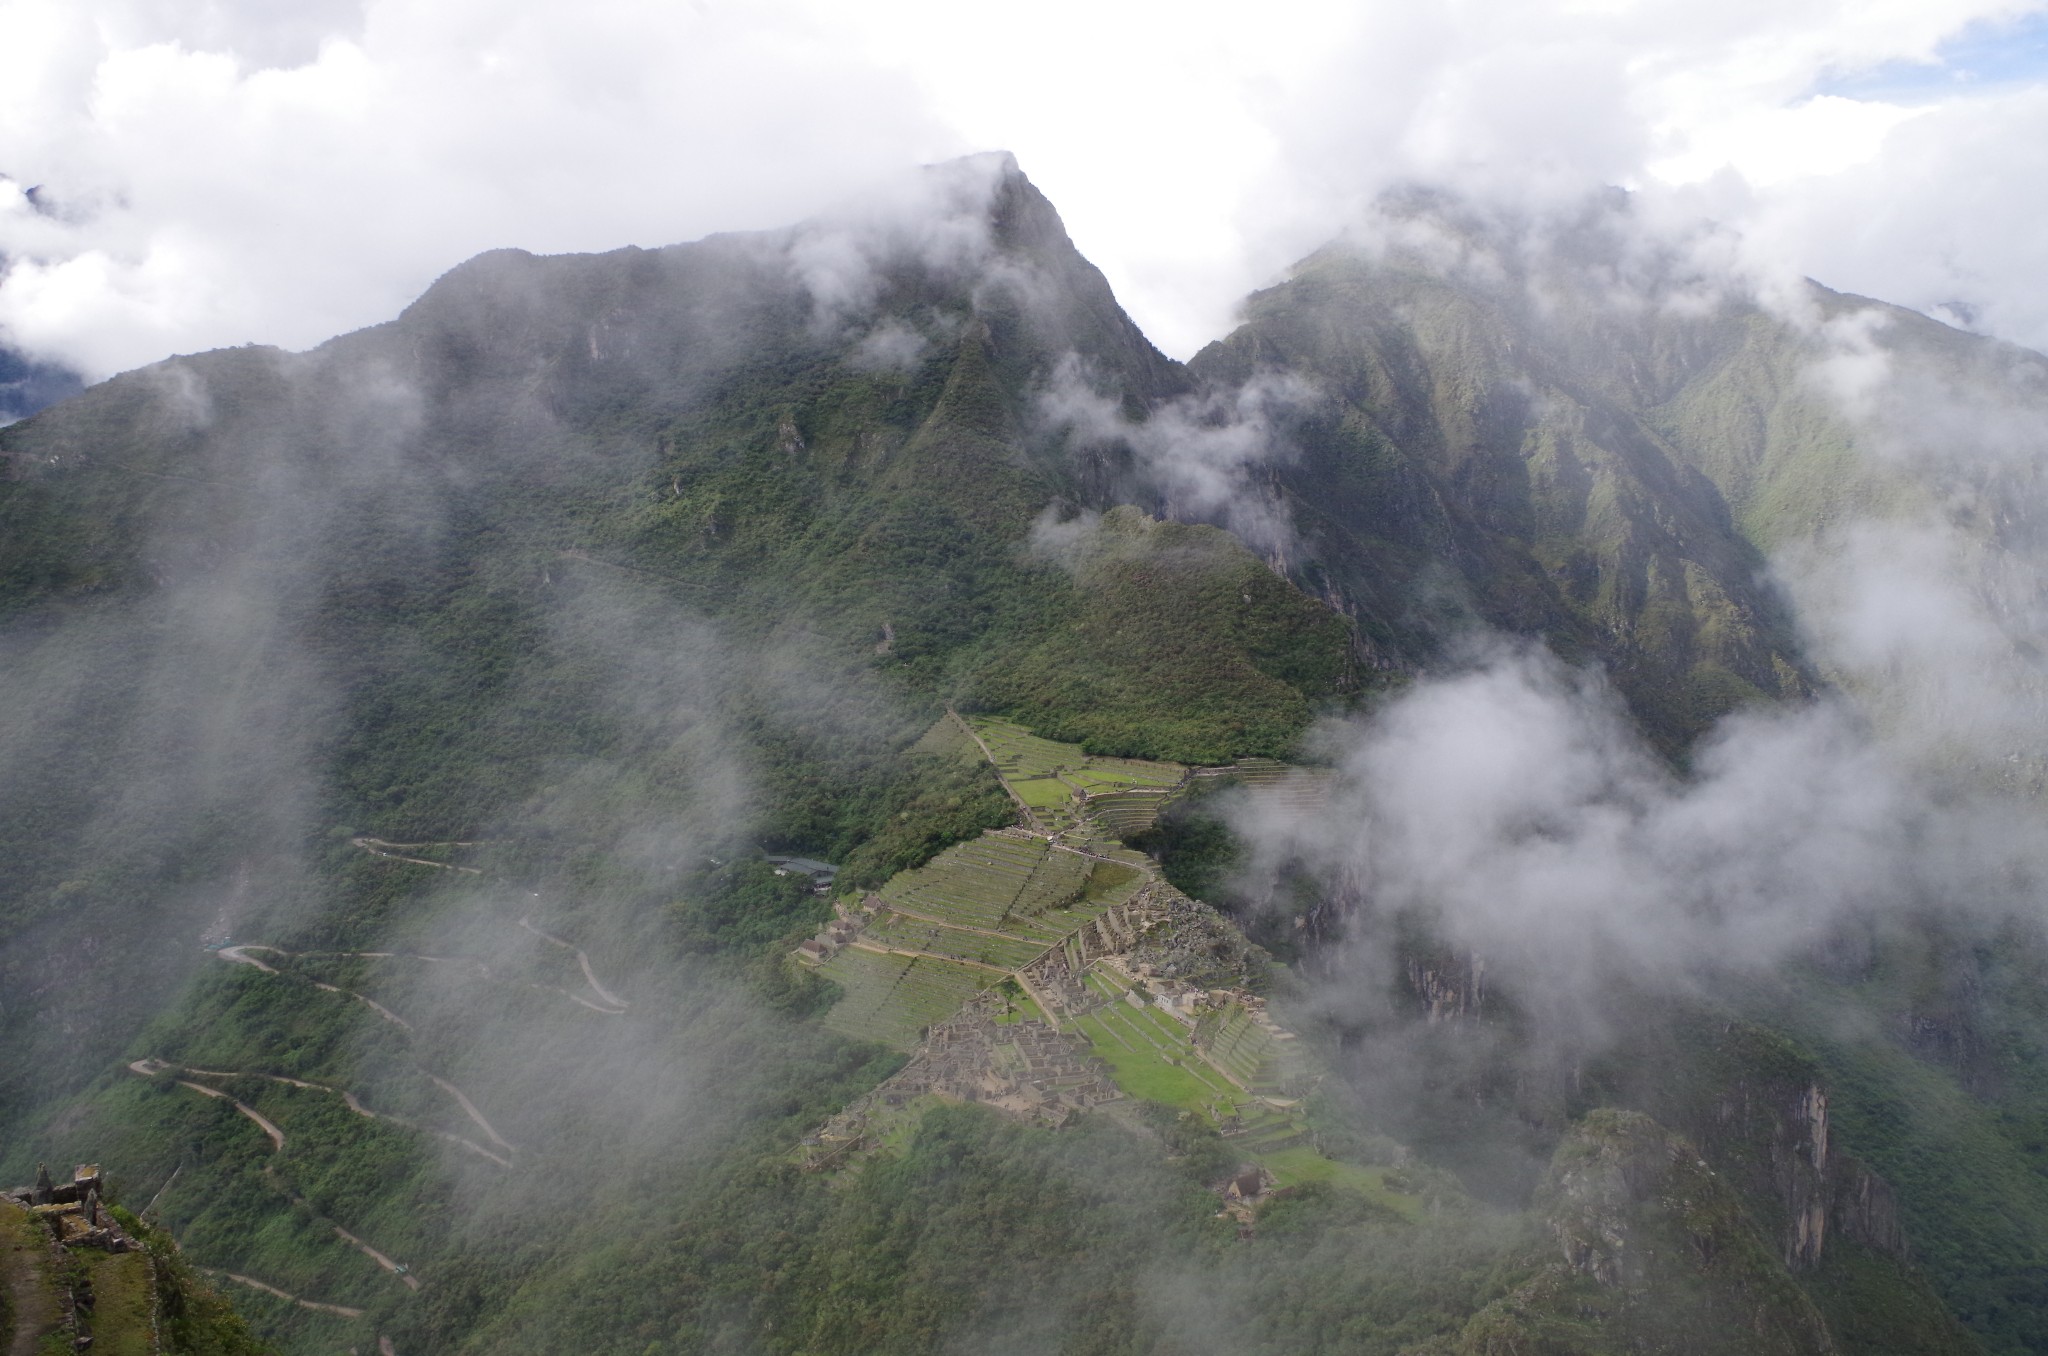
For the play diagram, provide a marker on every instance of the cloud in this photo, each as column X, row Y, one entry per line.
column 237, row 172
column 206, row 197
column 936, row 221
column 1507, row 806
column 1198, row 455
column 1513, row 813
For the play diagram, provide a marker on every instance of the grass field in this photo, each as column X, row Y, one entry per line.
column 1153, row 1056
column 999, row 901
column 936, row 939
column 1139, row 1069
column 891, row 999
column 1303, row 1164
column 1123, row 795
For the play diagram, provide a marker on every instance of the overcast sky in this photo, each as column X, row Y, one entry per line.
column 213, row 172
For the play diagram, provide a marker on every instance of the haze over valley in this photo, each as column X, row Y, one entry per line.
column 1449, row 762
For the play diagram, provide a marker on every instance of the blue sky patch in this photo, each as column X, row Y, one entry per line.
column 1982, row 57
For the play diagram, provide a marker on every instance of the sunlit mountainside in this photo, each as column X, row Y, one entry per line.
column 812, row 792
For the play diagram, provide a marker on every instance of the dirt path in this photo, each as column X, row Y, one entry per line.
column 241, row 954
column 1030, row 815
column 859, row 945
column 149, row 1068
column 34, row 1306
column 612, row 1006
column 1114, row 861
column 954, row 927
column 376, row 848
column 589, row 975
column 469, row 1107
column 386, row 1013
column 341, row 1309
column 480, row 967
column 410, row 1281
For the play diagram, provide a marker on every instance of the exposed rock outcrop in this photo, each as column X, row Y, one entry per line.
column 1635, row 1209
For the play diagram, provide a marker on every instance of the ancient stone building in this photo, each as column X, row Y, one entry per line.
column 73, row 1211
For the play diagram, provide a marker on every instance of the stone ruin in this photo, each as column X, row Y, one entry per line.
column 844, row 927
column 74, row 1212
column 1057, row 979
column 1242, row 1192
column 1027, row 1068
column 1197, row 945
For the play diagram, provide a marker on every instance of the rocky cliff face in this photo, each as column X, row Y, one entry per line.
column 1451, row 986
column 1654, row 1252
column 1753, row 1104
column 1759, row 1110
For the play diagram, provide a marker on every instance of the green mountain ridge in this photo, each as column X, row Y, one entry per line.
column 447, row 680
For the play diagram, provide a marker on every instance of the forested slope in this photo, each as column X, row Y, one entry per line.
column 395, row 730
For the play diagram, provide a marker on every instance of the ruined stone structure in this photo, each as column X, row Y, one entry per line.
column 73, row 1211
column 839, row 932
column 1056, row 978
column 1026, row 1068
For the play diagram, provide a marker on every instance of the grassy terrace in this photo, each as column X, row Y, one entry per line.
column 999, row 900
column 1152, row 1056
column 1124, row 794
column 995, row 904
column 1149, row 1063
column 1302, row 1164
column 932, row 939
column 1155, row 1053
column 891, row 999
column 1241, row 1046
column 995, row 882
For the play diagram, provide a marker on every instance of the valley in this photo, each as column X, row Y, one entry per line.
column 632, row 808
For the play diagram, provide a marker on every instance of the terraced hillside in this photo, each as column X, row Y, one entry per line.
column 1069, row 791
column 890, row 999
column 1060, row 916
column 973, row 915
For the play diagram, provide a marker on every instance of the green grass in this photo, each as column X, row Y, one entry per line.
column 1021, row 1010
column 1300, row 1164
column 1124, row 795
column 121, row 1304
column 936, row 939
column 890, row 999
column 893, row 1128
column 1042, row 792
column 997, row 901
column 1142, row 1071
column 1019, row 753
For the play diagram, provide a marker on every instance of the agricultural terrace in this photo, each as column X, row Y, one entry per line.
column 1156, row 1057
column 1068, row 790
column 982, row 911
column 890, row 999
column 988, row 908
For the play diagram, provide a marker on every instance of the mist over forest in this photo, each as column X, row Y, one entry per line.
column 812, row 790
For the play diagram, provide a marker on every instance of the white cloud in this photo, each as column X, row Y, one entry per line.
column 207, row 199
column 234, row 171
column 1773, row 145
